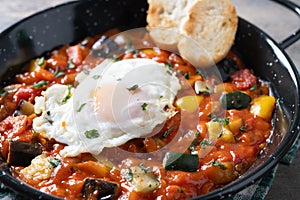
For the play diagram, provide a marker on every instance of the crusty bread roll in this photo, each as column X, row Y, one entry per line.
column 202, row 31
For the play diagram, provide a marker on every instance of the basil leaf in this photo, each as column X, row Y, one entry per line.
column 91, row 134
column 217, row 164
column 71, row 65
column 41, row 61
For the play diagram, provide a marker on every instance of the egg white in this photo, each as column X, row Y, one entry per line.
column 115, row 102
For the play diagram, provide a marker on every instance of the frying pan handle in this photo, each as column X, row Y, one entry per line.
column 295, row 36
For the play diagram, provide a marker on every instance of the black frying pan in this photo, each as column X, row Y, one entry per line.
column 71, row 22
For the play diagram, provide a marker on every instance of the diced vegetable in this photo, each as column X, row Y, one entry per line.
column 189, row 103
column 219, row 131
column 263, row 106
column 221, row 172
column 24, row 108
column 181, row 161
column 235, row 100
column 142, row 179
column 21, row 153
column 201, row 87
column 235, row 124
column 99, row 189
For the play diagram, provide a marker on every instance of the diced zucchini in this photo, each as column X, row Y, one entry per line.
column 235, row 100
column 217, row 131
column 189, row 103
column 263, row 106
column 142, row 179
column 202, row 88
column 181, row 161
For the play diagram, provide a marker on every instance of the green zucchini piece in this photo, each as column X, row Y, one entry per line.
column 235, row 100
column 181, row 161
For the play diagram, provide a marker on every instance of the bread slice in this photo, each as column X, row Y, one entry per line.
column 203, row 31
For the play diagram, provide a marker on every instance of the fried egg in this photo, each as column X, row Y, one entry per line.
column 114, row 103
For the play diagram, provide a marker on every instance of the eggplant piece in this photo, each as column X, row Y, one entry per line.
column 226, row 67
column 106, row 47
column 181, row 161
column 235, row 100
column 99, row 189
column 21, row 153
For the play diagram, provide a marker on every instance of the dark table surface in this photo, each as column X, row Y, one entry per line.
column 275, row 20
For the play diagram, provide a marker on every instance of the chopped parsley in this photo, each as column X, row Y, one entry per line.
column 180, row 190
column 167, row 132
column 3, row 93
column 80, row 107
column 115, row 59
column 144, row 168
column 133, row 88
column 96, row 77
column 40, row 84
column 244, row 128
column 70, row 65
column 128, row 175
column 217, row 164
column 169, row 65
column 58, row 73
column 68, row 95
column 197, row 134
column 41, row 61
column 55, row 162
column 253, row 88
column 92, row 134
column 48, row 113
column 144, row 106
column 205, row 143
column 224, row 121
column 187, row 75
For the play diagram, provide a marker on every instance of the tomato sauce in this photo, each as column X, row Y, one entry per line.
column 222, row 158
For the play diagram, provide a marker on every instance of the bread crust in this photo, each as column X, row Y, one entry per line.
column 202, row 31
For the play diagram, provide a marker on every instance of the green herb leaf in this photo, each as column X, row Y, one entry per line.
column 80, row 107
column 253, row 88
column 69, row 95
column 169, row 65
column 205, row 143
column 115, row 59
column 218, row 164
column 244, row 128
column 180, row 190
column 144, row 106
column 58, row 73
column 71, row 65
column 3, row 92
column 144, row 168
column 167, row 132
column 197, row 134
column 96, row 77
column 128, row 175
column 92, row 134
column 40, row 84
column 48, row 113
column 133, row 88
column 187, row 75
column 55, row 162
column 41, row 61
